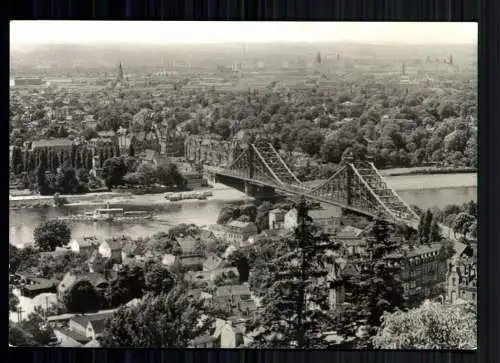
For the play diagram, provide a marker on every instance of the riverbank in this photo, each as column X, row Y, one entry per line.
column 45, row 201
column 426, row 171
column 220, row 193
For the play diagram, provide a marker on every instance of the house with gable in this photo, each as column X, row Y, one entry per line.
column 111, row 249
column 213, row 262
column 70, row 279
column 235, row 300
column 83, row 245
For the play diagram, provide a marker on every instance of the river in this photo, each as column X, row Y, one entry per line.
column 425, row 191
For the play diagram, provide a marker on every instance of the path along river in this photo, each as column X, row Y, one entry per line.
column 425, row 191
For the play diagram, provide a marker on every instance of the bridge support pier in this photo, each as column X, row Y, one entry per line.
column 259, row 192
column 210, row 177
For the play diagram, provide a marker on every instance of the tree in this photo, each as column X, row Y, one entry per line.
column 66, row 181
column 83, row 176
column 461, row 223
column 51, row 234
column 435, row 232
column 262, row 216
column 424, row 227
column 22, row 258
column 128, row 285
column 240, row 261
column 168, row 174
column 226, row 214
column 147, row 174
column 17, row 159
column 82, row 297
column 310, row 142
column 32, row 332
column 375, row 289
column 223, row 128
column 113, row 171
column 41, row 181
column 170, row 320
column 295, row 304
column 249, row 210
column 89, row 133
column 157, row 279
column 13, row 300
column 431, row 326
column 131, row 150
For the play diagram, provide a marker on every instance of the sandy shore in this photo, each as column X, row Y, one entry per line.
column 220, row 193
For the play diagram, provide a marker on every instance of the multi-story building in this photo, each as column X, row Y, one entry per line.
column 462, row 280
column 35, row 81
column 327, row 220
column 237, row 232
column 424, row 271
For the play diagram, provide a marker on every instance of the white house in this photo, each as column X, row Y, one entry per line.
column 111, row 249
column 83, row 245
column 327, row 219
column 276, row 218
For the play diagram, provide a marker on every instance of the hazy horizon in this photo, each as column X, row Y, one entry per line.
column 32, row 33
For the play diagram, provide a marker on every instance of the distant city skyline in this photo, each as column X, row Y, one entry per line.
column 39, row 32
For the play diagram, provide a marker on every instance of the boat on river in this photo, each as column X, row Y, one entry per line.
column 108, row 215
column 201, row 195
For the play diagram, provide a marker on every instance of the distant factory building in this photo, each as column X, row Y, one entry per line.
column 36, row 81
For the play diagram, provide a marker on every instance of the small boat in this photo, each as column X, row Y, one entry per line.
column 108, row 215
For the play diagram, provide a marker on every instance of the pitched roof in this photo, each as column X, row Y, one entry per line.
column 51, row 143
column 277, row 210
column 321, row 214
column 98, row 325
column 191, row 260
column 187, row 243
column 87, row 241
column 70, row 279
column 113, row 244
column 131, row 248
column 239, row 224
column 213, row 262
column 85, row 319
column 231, row 290
column 349, row 231
column 80, row 338
column 204, row 339
column 93, row 344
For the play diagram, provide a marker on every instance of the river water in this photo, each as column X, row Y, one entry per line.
column 425, row 191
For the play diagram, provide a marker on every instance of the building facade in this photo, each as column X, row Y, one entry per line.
column 462, row 280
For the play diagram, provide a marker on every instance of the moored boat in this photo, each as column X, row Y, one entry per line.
column 108, row 215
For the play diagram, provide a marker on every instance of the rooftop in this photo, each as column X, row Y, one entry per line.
column 231, row 290
column 85, row 319
column 239, row 224
column 51, row 143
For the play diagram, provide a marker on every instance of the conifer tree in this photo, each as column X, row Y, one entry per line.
column 424, row 227
column 374, row 289
column 295, row 310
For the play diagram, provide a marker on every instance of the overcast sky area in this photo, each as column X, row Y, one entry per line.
column 35, row 32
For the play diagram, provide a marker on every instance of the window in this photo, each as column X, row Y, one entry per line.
column 453, row 282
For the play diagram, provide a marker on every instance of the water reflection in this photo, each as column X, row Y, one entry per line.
column 23, row 222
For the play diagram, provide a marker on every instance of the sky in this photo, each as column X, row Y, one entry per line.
column 35, row 32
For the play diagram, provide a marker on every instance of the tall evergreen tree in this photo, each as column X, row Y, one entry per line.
column 435, row 232
column 41, row 181
column 374, row 289
column 296, row 303
column 424, row 227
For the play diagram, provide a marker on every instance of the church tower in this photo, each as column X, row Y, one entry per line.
column 120, row 72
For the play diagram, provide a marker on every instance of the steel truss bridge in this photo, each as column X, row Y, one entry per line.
column 356, row 186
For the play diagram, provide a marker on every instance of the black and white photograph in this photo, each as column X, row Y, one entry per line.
column 301, row 185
